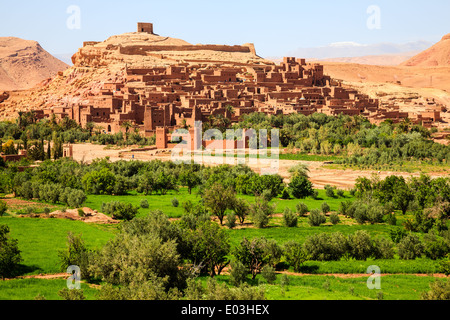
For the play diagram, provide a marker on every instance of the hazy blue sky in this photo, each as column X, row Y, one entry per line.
column 276, row 27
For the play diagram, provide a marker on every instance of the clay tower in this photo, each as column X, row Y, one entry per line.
column 145, row 27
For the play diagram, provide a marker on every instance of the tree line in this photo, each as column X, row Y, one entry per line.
column 353, row 138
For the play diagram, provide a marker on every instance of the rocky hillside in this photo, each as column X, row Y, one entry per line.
column 24, row 64
column 436, row 56
column 143, row 49
column 99, row 62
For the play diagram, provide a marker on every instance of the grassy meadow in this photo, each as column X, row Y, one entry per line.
column 41, row 239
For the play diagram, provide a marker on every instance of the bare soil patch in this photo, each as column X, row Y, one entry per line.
column 90, row 216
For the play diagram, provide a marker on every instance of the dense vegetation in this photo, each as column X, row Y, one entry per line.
column 168, row 256
column 353, row 138
column 44, row 139
column 395, row 223
column 348, row 140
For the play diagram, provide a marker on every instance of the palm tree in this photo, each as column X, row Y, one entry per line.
column 89, row 126
column 221, row 123
column 127, row 125
column 98, row 129
column 230, row 109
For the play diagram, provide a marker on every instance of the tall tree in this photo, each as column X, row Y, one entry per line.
column 218, row 199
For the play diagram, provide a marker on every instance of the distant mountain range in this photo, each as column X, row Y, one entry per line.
column 353, row 49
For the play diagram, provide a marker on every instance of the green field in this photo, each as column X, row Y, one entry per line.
column 393, row 287
column 397, row 166
column 164, row 202
column 29, row 289
column 316, row 287
column 40, row 240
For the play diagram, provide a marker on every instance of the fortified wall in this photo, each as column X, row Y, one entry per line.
column 142, row 50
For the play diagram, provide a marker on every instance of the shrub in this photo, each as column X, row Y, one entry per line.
column 397, row 234
column 175, row 202
column 10, row 255
column 384, row 248
column 334, row 218
column 3, row 208
column 440, row 290
column 75, row 198
column 372, row 212
column 144, row 204
column 231, row 220
column 268, row 273
column 410, row 247
column 220, row 291
column 120, row 210
column 272, row 252
column 71, row 295
column 326, row 285
column 76, row 253
column 132, row 258
column 345, row 209
column 302, row 209
column 289, row 218
column 260, row 212
column 238, row 273
column 260, row 219
column 285, row 194
column 267, row 195
column 444, row 266
column 329, row 191
column 99, row 181
column 391, row 219
column 340, row 193
column 294, row 254
column 435, row 247
column 326, row 247
column 300, row 187
column 316, row 218
column 46, row 210
column 361, row 245
column 325, row 208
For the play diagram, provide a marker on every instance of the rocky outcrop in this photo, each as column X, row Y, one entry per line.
column 24, row 63
column 145, row 49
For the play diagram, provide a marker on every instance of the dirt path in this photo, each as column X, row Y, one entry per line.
column 289, row 273
column 361, row 275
